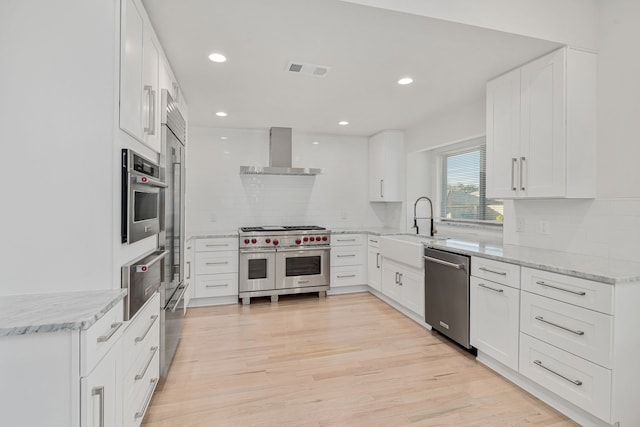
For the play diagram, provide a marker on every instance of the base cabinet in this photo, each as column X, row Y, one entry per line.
column 347, row 260
column 374, row 263
column 101, row 392
column 214, row 271
column 404, row 285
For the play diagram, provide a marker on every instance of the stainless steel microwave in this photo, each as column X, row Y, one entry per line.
column 141, row 188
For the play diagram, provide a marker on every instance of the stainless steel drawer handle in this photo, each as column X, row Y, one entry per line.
column 303, row 281
column 141, row 375
column 346, row 240
column 377, row 260
column 573, row 331
column 99, row 391
column 217, row 263
column 400, row 279
column 482, row 285
column 142, row 268
column 522, row 160
column 224, row 285
column 448, row 264
column 346, row 276
column 373, row 241
column 113, row 330
column 346, row 256
column 146, row 332
column 514, row 162
column 541, row 283
column 576, row 382
column 502, row 273
column 152, row 385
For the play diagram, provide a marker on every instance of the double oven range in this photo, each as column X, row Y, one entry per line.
column 280, row 260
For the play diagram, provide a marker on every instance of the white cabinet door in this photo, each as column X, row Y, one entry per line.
column 101, row 392
column 390, row 283
column 543, row 131
column 494, row 318
column 374, row 267
column 386, row 150
column 503, row 134
column 412, row 289
column 131, row 60
column 151, row 92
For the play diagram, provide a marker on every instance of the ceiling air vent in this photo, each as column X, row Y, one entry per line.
column 308, row 69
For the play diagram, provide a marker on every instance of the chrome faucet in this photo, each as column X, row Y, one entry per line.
column 432, row 231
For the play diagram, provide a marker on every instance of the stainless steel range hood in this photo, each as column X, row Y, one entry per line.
column 279, row 157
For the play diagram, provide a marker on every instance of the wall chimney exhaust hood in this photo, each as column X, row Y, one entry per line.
column 279, row 157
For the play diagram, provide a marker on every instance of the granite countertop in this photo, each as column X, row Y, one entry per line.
column 213, row 234
column 61, row 311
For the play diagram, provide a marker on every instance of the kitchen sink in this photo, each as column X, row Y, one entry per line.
column 407, row 249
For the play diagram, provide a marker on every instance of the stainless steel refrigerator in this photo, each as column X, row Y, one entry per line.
column 171, row 236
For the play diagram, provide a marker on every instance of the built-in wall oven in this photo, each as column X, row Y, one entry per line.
column 282, row 260
column 141, row 190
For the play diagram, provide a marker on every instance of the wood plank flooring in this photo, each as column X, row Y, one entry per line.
column 347, row 360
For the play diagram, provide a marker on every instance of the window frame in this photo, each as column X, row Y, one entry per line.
column 463, row 147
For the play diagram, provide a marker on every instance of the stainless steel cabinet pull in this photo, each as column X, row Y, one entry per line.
column 397, row 279
column 377, row 260
column 217, row 263
column 573, row 331
column 346, row 256
column 99, row 391
column 152, row 385
column 146, row 332
column 188, row 269
column 140, row 376
column 482, row 285
column 514, row 161
column 400, row 281
column 372, row 241
column 216, row 245
column 346, row 240
column 142, row 268
column 541, row 283
column 149, row 90
column 305, row 281
column 217, row 286
column 502, row 273
column 448, row 264
column 576, row 382
column 344, row 276
column 152, row 114
column 522, row 159
column 184, row 290
column 381, row 188
column 107, row 337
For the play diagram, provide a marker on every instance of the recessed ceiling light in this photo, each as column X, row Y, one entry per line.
column 221, row 114
column 315, row 143
column 405, row 81
column 343, row 123
column 224, row 138
column 217, row 57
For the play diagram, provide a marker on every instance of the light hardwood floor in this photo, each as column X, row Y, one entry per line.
column 348, row 360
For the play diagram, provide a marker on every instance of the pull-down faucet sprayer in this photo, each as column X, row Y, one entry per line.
column 432, row 231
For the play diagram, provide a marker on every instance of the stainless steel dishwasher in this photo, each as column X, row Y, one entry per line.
column 446, row 294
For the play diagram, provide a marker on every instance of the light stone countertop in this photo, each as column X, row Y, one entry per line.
column 213, row 234
column 60, row 311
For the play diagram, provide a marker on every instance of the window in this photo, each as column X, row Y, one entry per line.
column 463, row 186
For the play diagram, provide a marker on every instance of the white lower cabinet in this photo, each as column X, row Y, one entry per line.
column 374, row 263
column 347, row 261
column 494, row 319
column 403, row 284
column 215, row 270
column 101, row 391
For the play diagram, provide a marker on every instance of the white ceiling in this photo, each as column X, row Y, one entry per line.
column 368, row 50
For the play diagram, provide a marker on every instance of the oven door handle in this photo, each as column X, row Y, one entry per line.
column 184, row 290
column 257, row 251
column 145, row 180
column 315, row 248
column 142, row 268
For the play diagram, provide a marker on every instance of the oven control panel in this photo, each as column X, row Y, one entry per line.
column 285, row 240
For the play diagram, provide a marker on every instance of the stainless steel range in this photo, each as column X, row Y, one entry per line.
column 279, row 260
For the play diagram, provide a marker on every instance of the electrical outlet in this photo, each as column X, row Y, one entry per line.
column 519, row 225
column 544, row 227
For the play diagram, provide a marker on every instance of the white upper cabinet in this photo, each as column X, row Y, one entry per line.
column 385, row 166
column 541, row 130
column 139, row 77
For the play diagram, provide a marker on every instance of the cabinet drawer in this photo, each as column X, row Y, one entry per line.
column 216, row 285
column 494, row 318
column 582, row 383
column 346, row 239
column 496, row 271
column 581, row 292
column 218, row 244
column 347, row 276
column 216, row 262
column 347, row 255
column 137, row 371
column 136, row 404
column 96, row 341
column 583, row 332
column 373, row 241
column 142, row 333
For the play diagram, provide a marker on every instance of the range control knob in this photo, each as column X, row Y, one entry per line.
column 312, row 238
column 318, row 239
column 246, row 241
column 325, row 238
column 254, row 241
column 298, row 241
column 275, row 242
column 268, row 240
column 306, row 239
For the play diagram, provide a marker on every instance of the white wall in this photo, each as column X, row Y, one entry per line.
column 569, row 22
column 219, row 198
column 57, row 81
